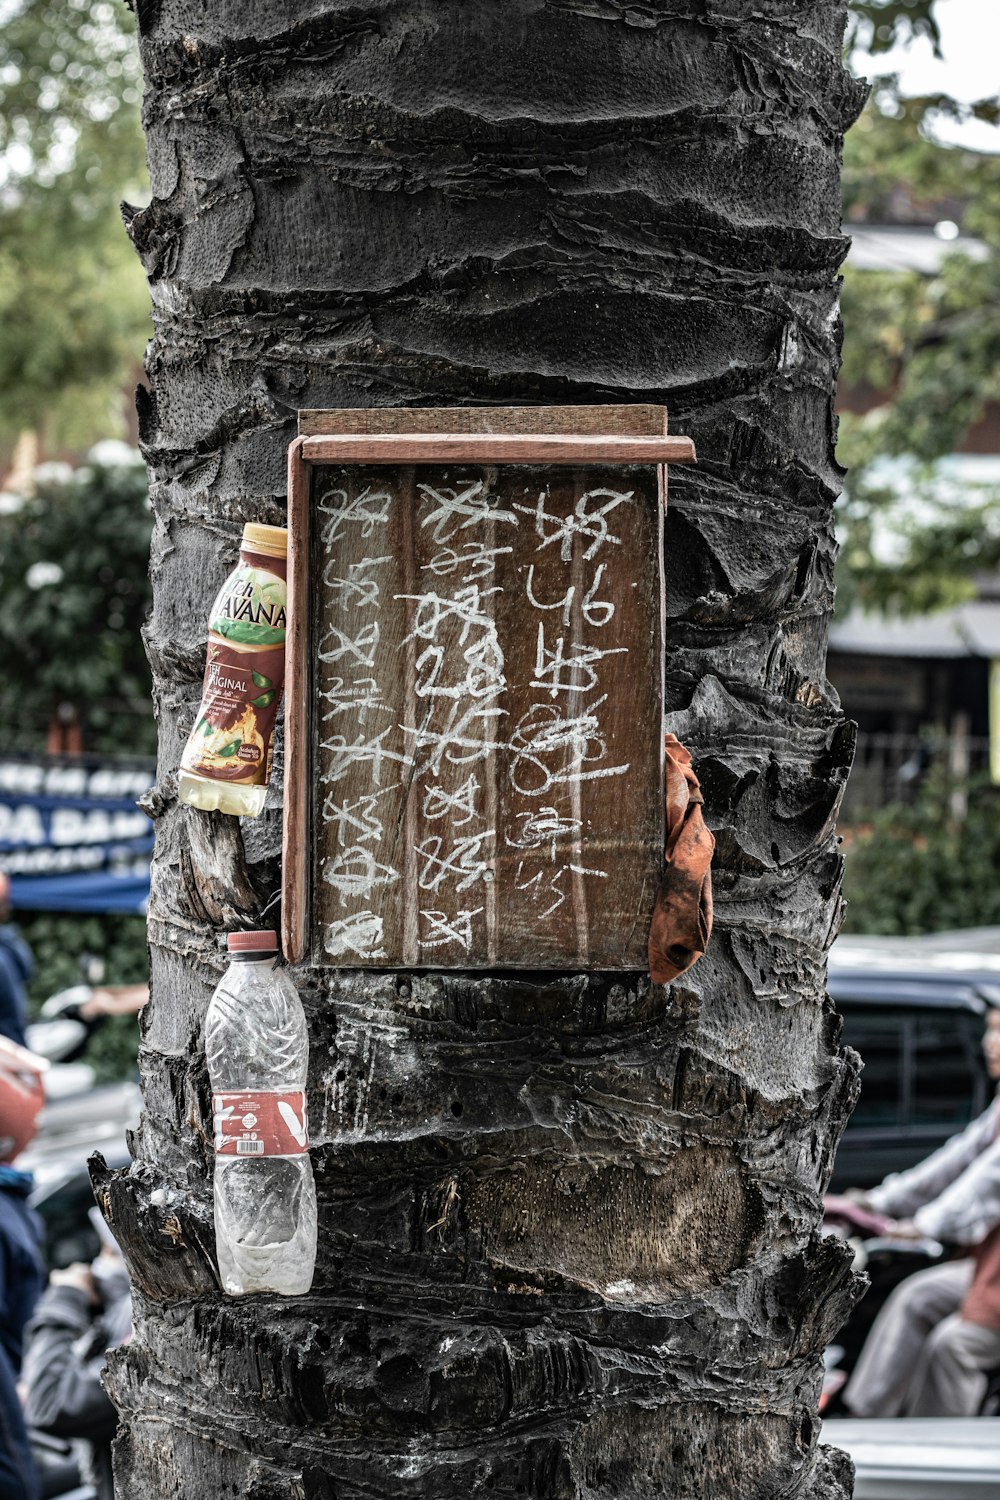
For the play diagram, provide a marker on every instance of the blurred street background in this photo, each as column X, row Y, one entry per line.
column 915, row 648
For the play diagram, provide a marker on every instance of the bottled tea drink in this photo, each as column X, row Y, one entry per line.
column 257, row 1051
column 227, row 760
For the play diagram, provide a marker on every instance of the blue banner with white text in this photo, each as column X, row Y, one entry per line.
column 71, row 836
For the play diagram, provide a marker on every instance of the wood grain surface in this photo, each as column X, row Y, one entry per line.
column 486, row 665
column 298, row 802
column 492, row 448
column 632, row 419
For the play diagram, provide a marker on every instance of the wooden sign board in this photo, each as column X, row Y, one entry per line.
column 474, row 705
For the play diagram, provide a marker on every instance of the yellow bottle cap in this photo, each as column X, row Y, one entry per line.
column 272, row 540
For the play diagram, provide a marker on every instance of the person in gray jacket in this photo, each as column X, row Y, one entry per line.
column 86, row 1311
column 939, row 1333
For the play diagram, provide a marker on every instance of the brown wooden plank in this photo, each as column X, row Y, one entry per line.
column 535, row 858
column 635, row 420
column 296, row 863
column 480, row 448
column 487, row 742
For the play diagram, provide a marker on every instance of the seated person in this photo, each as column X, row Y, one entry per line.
column 21, row 1273
column 939, row 1332
column 85, row 1311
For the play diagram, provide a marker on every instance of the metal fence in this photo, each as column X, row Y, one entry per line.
column 894, row 767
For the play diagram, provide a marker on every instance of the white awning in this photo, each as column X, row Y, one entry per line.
column 966, row 630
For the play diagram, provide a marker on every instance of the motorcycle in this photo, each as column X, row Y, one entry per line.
column 79, row 1115
column 60, row 1036
column 887, row 1258
column 58, row 1470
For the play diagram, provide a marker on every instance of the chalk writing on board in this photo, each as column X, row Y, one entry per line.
column 469, row 713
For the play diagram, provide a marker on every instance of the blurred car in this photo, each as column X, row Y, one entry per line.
column 70, row 1130
column 914, row 1009
column 920, row 1458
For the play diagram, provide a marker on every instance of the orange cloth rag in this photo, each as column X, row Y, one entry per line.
column 682, row 912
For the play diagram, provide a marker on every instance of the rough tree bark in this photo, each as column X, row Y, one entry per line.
column 568, row 1229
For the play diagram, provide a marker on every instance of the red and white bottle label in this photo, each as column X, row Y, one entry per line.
column 260, row 1123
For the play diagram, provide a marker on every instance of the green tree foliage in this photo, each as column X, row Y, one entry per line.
column 879, row 25
column 61, row 944
column 927, row 346
column 73, row 323
column 916, row 869
column 73, row 300
column 933, row 343
column 73, row 578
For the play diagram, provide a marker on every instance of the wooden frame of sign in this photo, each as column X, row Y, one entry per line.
column 474, row 686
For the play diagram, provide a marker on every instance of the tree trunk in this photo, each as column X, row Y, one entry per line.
column 567, row 1229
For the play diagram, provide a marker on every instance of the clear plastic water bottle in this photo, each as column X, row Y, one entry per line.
column 257, row 1050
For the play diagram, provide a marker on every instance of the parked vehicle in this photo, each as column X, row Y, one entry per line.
column 914, row 1009
column 916, row 1458
column 63, row 1198
column 59, row 1472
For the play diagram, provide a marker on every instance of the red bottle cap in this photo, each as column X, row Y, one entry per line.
column 252, row 942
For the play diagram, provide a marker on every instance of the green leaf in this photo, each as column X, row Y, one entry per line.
column 80, row 640
column 246, row 633
column 74, row 310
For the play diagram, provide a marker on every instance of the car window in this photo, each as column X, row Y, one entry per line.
column 878, row 1037
column 947, row 1085
column 923, row 1066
